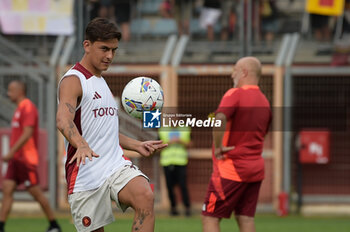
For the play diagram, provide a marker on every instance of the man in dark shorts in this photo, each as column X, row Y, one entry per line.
column 23, row 156
column 122, row 10
column 238, row 167
column 320, row 27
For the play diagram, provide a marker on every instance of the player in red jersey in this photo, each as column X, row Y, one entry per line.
column 238, row 167
column 23, row 156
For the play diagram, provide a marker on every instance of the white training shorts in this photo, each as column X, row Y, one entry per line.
column 93, row 209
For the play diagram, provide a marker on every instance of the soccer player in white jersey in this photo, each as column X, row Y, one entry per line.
column 87, row 116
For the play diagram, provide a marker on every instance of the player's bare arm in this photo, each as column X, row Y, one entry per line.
column 27, row 133
column 145, row 148
column 218, row 135
column 70, row 92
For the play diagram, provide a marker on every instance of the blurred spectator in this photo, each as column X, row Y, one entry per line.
column 340, row 56
column 106, row 9
column 100, row 8
column 269, row 19
column 182, row 13
column 93, row 7
column 226, row 18
column 210, row 14
column 166, row 9
column 346, row 21
column 341, row 53
column 122, row 13
column 320, row 27
column 115, row 10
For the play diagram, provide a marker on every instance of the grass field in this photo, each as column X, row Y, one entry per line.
column 264, row 223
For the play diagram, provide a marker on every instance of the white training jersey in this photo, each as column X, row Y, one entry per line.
column 96, row 118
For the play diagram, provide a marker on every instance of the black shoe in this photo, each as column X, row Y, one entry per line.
column 174, row 212
column 188, row 213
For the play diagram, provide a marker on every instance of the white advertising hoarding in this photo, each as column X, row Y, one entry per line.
column 52, row 17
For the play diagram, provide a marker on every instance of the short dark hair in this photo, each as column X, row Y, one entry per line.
column 21, row 84
column 101, row 29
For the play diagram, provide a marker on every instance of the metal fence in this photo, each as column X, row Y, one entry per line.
column 321, row 99
column 40, row 77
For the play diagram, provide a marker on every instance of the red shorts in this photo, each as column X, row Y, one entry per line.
column 227, row 196
column 22, row 173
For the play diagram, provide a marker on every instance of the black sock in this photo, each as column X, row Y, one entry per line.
column 53, row 224
column 2, row 224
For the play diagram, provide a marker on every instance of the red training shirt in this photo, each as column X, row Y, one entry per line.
column 26, row 114
column 248, row 115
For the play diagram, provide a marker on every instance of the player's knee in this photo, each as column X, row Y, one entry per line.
column 146, row 198
column 149, row 197
column 210, row 220
column 7, row 191
column 245, row 219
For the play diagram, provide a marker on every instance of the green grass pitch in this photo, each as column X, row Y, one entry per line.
column 264, row 223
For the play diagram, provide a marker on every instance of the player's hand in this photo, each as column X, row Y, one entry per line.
column 7, row 157
column 81, row 153
column 220, row 151
column 147, row 148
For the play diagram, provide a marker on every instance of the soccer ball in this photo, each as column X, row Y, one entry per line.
column 142, row 94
